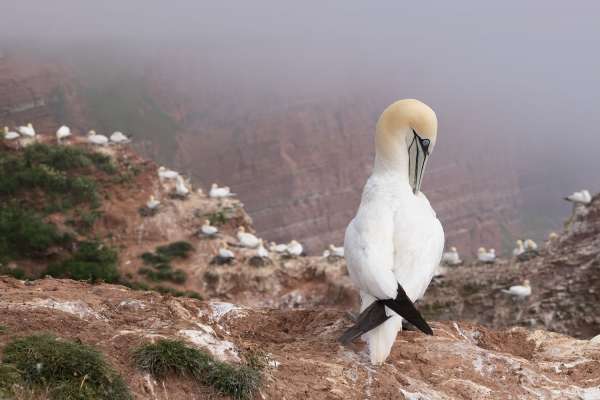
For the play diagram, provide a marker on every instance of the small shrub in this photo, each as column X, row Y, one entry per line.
column 164, row 273
column 10, row 379
column 217, row 218
column 92, row 262
column 179, row 249
column 154, row 259
column 172, row 357
column 67, row 370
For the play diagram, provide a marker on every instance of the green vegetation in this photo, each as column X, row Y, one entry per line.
column 92, row 262
column 179, row 249
column 66, row 370
column 164, row 272
column 172, row 357
column 16, row 273
column 24, row 234
column 218, row 218
column 160, row 262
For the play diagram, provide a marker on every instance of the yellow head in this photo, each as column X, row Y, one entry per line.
column 481, row 250
column 406, row 135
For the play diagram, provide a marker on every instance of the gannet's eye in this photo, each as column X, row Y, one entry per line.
column 425, row 143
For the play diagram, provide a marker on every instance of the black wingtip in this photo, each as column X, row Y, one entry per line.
column 407, row 310
column 370, row 318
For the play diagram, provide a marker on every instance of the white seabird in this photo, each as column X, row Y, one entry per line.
column 118, row 138
column 395, row 242
column 208, row 230
column 247, row 239
column 180, row 187
column 581, row 197
column 326, row 253
column 530, row 245
column 152, row 203
column 488, row 257
column 261, row 251
column 294, row 248
column 278, row 248
column 520, row 249
column 451, row 257
column 164, row 173
column 27, row 130
column 62, row 133
column 520, row 291
column 96, row 139
column 10, row 135
column 219, row 192
column 336, row 251
column 224, row 252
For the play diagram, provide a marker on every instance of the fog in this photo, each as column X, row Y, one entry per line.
column 525, row 73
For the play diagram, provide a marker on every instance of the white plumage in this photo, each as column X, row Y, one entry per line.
column 10, row 135
column 219, row 192
column 27, row 130
column 164, row 173
column 520, row 291
column 62, row 133
column 395, row 237
column 326, row 253
column 581, row 197
column 152, row 203
column 278, row 248
column 451, row 257
column 488, row 257
column 336, row 251
column 247, row 239
column 261, row 251
column 519, row 249
column 530, row 245
column 118, row 138
column 294, row 248
column 96, row 139
column 208, row 230
column 225, row 253
column 180, row 187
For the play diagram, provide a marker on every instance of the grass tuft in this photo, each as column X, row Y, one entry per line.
column 173, row 357
column 179, row 249
column 92, row 262
column 66, row 370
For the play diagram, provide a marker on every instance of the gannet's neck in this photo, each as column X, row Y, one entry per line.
column 391, row 157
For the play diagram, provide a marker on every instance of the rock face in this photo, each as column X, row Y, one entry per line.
column 462, row 360
column 565, row 282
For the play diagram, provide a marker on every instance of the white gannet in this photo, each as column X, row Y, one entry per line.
column 451, row 257
column 261, row 251
column 118, row 138
column 152, row 203
column 247, row 239
column 180, row 187
column 278, row 248
column 520, row 249
column 530, row 245
column 208, row 230
column 62, row 132
column 581, row 197
column 395, row 242
column 164, row 173
column 336, row 251
column 521, row 291
column 552, row 236
column 326, row 253
column 224, row 253
column 94, row 138
column 219, row 192
column 488, row 257
column 27, row 130
column 294, row 248
column 10, row 135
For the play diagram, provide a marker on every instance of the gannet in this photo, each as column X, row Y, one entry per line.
column 118, row 137
column 219, row 192
column 552, row 236
column 164, row 173
column 582, row 197
column 530, row 245
column 94, row 138
column 208, row 230
column 488, row 257
column 451, row 257
column 180, row 187
column 27, row 130
column 294, row 248
column 326, row 253
column 336, row 251
column 395, row 242
column 517, row 251
column 521, row 291
column 10, row 135
column 247, row 239
column 278, row 248
column 224, row 253
column 152, row 203
column 261, row 251
column 62, row 132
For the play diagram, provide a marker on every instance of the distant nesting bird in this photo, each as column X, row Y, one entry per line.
column 10, row 135
column 27, row 130
column 62, row 133
column 278, row 248
column 581, row 197
column 488, row 257
column 294, row 248
column 326, row 253
column 164, row 173
column 261, row 251
column 224, row 253
column 530, row 245
column 180, row 187
column 520, row 249
column 451, row 257
column 219, row 192
column 247, row 239
column 152, row 203
column 336, row 251
column 552, row 236
column 118, row 138
column 96, row 139
column 208, row 230
column 520, row 291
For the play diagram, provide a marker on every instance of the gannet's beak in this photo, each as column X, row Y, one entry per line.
column 418, row 153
